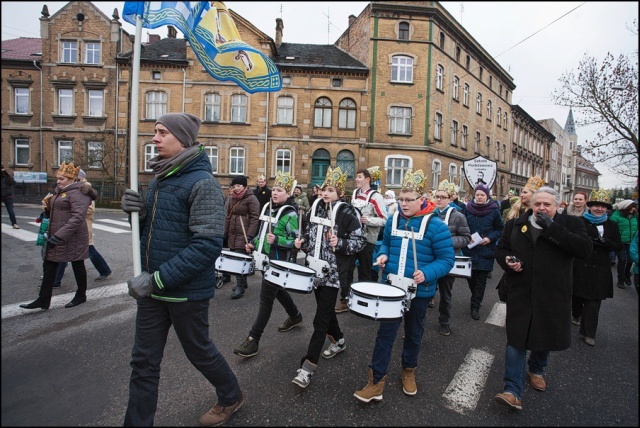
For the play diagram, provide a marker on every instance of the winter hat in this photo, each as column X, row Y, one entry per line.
column 392, row 197
column 623, row 205
column 239, row 179
column 482, row 188
column 184, row 126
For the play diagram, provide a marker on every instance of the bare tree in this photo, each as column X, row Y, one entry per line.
column 606, row 95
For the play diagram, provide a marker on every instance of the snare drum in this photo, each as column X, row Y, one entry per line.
column 461, row 267
column 290, row 276
column 260, row 261
column 234, row 263
column 379, row 302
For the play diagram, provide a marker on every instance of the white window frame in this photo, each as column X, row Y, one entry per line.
column 285, row 110
column 396, row 167
column 477, row 142
column 156, row 104
column 283, row 160
column 465, row 95
column 96, row 102
column 439, row 77
column 62, row 147
column 95, row 154
column 239, row 108
column 347, row 114
column 92, row 53
column 479, row 103
column 212, row 107
column 402, row 69
column 20, row 96
column 65, row 96
column 506, row 121
column 465, row 136
column 400, row 120
column 489, row 110
column 69, row 51
column 454, row 132
column 456, row 88
column 322, row 110
column 236, row 160
column 437, row 130
column 150, row 152
column 21, row 154
column 453, row 172
column 436, row 171
column 212, row 154
column 499, row 116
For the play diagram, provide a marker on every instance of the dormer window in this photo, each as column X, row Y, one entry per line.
column 156, row 75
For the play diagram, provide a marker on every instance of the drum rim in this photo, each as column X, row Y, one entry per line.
column 386, row 298
column 237, row 256
column 373, row 318
column 277, row 263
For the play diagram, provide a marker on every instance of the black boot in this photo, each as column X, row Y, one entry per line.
column 36, row 304
column 76, row 301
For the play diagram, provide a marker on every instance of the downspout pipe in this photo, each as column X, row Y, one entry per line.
column 35, row 63
column 184, row 86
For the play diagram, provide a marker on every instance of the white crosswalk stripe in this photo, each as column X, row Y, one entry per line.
column 27, row 236
column 21, row 234
column 464, row 391
column 116, row 222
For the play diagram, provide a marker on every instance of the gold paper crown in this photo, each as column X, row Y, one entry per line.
column 284, row 180
column 414, row 181
column 534, row 183
column 69, row 170
column 601, row 195
column 262, row 177
column 375, row 173
column 445, row 186
column 335, row 178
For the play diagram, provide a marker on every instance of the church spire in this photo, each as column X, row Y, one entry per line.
column 570, row 126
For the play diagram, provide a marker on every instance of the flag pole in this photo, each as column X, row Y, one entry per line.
column 133, row 144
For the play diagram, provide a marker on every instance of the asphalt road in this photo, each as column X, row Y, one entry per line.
column 70, row 367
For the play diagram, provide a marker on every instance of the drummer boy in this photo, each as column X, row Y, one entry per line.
column 413, row 234
column 333, row 233
column 275, row 239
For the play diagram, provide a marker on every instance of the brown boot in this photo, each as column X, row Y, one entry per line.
column 371, row 391
column 409, row 386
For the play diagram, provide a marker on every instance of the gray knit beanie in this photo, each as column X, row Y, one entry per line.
column 184, row 126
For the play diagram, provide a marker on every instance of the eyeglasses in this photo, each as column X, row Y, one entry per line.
column 441, row 197
column 407, row 200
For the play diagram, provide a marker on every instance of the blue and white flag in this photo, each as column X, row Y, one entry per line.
column 214, row 38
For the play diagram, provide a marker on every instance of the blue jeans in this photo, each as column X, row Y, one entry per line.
column 190, row 321
column 98, row 261
column 8, row 202
column 514, row 367
column 387, row 332
column 269, row 293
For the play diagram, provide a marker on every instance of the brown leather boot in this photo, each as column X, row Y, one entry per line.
column 373, row 391
column 409, row 386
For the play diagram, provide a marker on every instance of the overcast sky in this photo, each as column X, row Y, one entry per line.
column 536, row 42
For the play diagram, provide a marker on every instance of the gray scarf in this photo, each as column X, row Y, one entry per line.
column 164, row 167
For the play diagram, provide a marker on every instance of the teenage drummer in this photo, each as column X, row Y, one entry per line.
column 451, row 214
column 413, row 236
column 332, row 235
column 277, row 242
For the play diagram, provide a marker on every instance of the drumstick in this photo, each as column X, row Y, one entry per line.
column 331, row 217
column 415, row 255
column 244, row 232
column 299, row 223
column 269, row 216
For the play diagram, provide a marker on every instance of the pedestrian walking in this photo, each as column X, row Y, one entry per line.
column 7, row 196
column 626, row 216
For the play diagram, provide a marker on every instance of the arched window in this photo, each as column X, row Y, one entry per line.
column 499, row 116
column 403, row 31
column 479, row 103
column 442, row 38
column 456, row 88
column 322, row 112
column 489, row 110
column 346, row 161
column 347, row 114
column 439, row 77
column 436, row 170
column 402, row 69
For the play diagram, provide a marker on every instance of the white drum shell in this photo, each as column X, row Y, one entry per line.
column 379, row 302
column 461, row 267
column 234, row 263
column 290, row 276
column 260, row 261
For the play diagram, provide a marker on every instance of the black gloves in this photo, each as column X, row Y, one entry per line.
column 53, row 241
column 140, row 286
column 132, row 201
column 544, row 220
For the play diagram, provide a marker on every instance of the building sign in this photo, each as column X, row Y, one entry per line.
column 480, row 170
column 30, row 177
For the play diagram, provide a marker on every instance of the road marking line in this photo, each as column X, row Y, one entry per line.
column 464, row 391
column 498, row 315
column 23, row 235
column 110, row 229
column 116, row 222
column 14, row 309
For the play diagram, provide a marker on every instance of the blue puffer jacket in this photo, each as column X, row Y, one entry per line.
column 435, row 251
column 181, row 236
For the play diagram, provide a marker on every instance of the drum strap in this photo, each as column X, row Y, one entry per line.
column 268, row 218
column 321, row 222
column 406, row 238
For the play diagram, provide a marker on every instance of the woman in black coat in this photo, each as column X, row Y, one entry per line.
column 592, row 277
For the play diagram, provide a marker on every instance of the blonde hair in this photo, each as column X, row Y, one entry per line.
column 515, row 210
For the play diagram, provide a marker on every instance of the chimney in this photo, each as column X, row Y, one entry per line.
column 153, row 38
column 351, row 19
column 279, row 27
column 172, row 32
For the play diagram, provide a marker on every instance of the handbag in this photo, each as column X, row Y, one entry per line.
column 41, row 239
column 503, row 288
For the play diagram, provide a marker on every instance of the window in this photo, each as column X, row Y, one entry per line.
column 400, row 120
column 283, row 160
column 286, row 80
column 236, row 160
column 65, row 151
column 500, row 90
column 468, row 62
column 21, row 101
column 285, row 110
column 479, row 103
column 488, row 148
column 239, row 108
column 65, row 102
column 212, row 108
column 156, row 104
column 439, row 77
column 96, row 102
column 95, row 153
column 454, row 133
column 402, row 69
column 436, row 170
column 346, row 161
column 21, row 155
column 92, row 53
column 453, row 173
column 480, row 72
column 156, row 75
column 505, row 122
column 490, row 82
column 504, row 153
column 456, row 88
column 150, row 152
column 347, row 114
column 322, row 113
column 497, row 153
column 403, row 31
column 69, row 52
column 442, row 38
column 499, row 116
column 336, row 82
column 437, row 132
column 396, row 167
column 489, row 110
column 477, row 146
column 212, row 154
column 458, row 51
column 465, row 95
column 465, row 136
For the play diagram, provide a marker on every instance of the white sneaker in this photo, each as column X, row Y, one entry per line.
column 303, row 378
column 334, row 349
